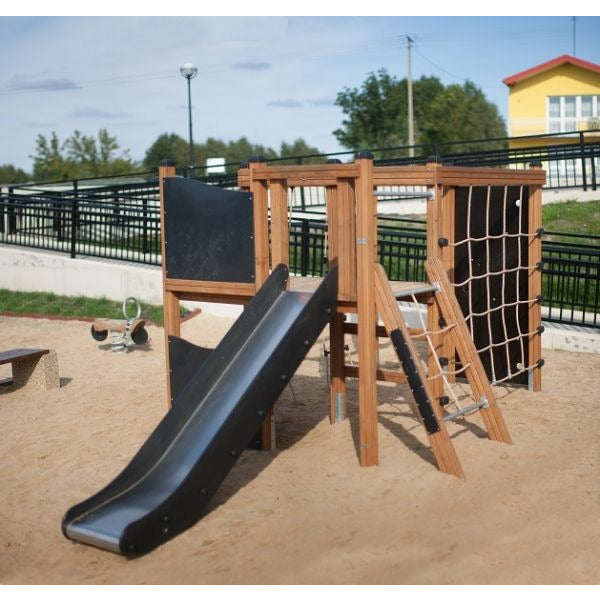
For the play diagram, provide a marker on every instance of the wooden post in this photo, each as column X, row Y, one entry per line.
column 447, row 212
column 261, row 268
column 366, row 241
column 166, row 168
column 435, row 218
column 280, row 231
column 337, row 378
column 261, row 223
column 534, row 282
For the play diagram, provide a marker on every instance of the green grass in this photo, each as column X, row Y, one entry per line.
column 572, row 217
column 44, row 303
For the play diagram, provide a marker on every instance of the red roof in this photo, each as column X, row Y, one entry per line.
column 565, row 59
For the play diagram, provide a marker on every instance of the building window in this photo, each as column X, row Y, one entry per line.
column 572, row 113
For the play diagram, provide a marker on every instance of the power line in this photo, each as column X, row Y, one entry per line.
column 440, row 68
column 346, row 49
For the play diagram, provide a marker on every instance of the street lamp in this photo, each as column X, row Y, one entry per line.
column 189, row 71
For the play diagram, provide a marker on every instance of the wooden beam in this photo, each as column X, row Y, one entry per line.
column 435, row 219
column 380, row 330
column 260, row 216
column 534, row 285
column 261, row 226
column 170, row 301
column 366, row 240
column 225, row 288
column 382, row 374
column 337, row 380
column 447, row 230
column 280, row 231
column 457, row 176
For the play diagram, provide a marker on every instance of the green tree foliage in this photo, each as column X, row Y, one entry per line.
column 462, row 113
column 299, row 148
column 169, row 146
column 79, row 156
column 12, row 174
column 175, row 148
column 376, row 113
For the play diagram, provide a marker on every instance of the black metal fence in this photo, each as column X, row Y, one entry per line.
column 571, row 279
column 574, row 163
column 130, row 230
column 115, row 228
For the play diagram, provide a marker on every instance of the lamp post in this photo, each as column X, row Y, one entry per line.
column 189, row 71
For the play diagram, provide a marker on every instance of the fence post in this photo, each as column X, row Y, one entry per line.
column 144, row 226
column 12, row 217
column 583, row 169
column 74, row 216
column 302, row 199
column 3, row 205
column 304, row 247
column 593, row 174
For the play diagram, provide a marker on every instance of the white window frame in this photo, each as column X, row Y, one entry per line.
column 561, row 119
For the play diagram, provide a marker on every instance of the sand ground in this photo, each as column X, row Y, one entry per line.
column 306, row 513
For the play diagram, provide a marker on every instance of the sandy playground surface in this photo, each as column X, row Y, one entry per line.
column 306, row 513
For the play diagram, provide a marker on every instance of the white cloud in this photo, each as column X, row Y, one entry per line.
column 96, row 113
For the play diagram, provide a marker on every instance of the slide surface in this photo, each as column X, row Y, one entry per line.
column 168, row 483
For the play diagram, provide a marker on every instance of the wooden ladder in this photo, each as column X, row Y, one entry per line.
column 428, row 409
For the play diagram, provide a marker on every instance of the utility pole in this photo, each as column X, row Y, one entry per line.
column 411, row 129
column 574, row 36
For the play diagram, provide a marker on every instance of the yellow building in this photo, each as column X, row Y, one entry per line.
column 561, row 95
column 558, row 96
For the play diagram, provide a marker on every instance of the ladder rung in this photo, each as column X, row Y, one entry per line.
column 466, row 410
column 399, row 195
column 424, row 289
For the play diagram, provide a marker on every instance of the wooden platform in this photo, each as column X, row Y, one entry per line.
column 310, row 284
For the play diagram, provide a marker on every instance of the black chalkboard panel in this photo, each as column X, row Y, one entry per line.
column 208, row 232
column 489, row 217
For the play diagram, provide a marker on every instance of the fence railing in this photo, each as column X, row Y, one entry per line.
column 129, row 229
column 569, row 164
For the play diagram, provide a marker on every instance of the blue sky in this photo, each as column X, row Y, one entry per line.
column 271, row 79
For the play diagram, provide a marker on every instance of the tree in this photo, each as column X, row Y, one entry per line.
column 12, row 174
column 377, row 113
column 462, row 113
column 166, row 146
column 175, row 148
column 79, row 156
column 298, row 148
column 48, row 162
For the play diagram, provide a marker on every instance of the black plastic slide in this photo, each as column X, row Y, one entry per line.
column 168, row 483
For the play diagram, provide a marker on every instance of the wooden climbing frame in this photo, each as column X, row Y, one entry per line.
column 352, row 246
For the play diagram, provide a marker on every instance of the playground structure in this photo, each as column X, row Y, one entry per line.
column 483, row 225
column 232, row 247
column 124, row 333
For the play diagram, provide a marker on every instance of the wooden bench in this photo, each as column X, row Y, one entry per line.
column 32, row 366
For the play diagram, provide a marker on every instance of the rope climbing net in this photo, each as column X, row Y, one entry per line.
column 493, row 286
